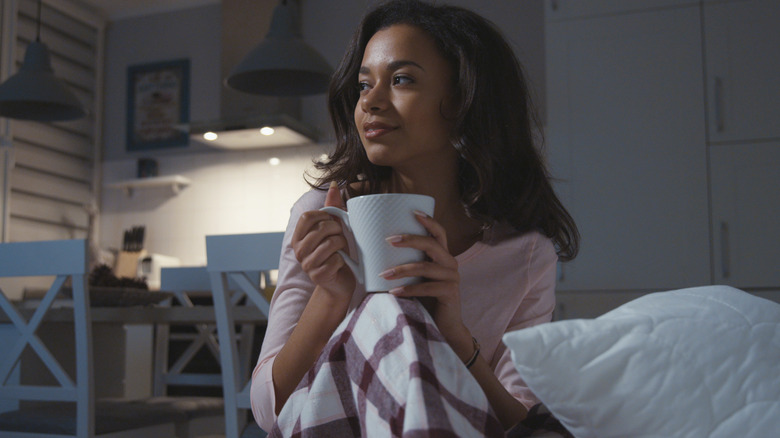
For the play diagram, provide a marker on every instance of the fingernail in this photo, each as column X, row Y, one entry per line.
column 396, row 290
column 421, row 213
column 395, row 239
column 388, row 273
column 334, row 184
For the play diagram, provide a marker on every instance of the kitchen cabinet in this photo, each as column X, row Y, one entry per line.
column 589, row 304
column 741, row 40
column 745, row 211
column 626, row 138
column 742, row 47
column 567, row 9
column 662, row 133
column 592, row 304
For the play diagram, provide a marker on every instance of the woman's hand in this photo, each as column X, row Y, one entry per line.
column 316, row 239
column 443, row 282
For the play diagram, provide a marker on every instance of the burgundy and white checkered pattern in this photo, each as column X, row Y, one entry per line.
column 387, row 371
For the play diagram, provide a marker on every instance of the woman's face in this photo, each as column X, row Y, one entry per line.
column 405, row 88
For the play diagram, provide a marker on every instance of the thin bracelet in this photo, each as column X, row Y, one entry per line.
column 474, row 356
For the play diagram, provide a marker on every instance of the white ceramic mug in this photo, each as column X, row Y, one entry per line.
column 374, row 218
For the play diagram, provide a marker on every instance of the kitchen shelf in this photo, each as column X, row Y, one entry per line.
column 175, row 182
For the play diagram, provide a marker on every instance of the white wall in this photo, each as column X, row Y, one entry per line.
column 238, row 192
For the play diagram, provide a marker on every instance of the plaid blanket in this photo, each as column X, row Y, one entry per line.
column 387, row 371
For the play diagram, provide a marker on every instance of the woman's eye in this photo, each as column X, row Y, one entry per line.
column 401, row 80
column 362, row 86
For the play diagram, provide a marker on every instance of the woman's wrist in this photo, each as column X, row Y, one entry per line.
column 473, row 359
column 463, row 345
column 336, row 304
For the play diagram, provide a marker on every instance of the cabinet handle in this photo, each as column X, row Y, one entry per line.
column 720, row 123
column 725, row 257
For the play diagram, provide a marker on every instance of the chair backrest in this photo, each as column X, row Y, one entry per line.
column 186, row 284
column 234, row 258
column 178, row 358
column 65, row 260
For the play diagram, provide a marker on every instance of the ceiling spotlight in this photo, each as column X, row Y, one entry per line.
column 274, row 161
column 210, row 136
column 267, row 130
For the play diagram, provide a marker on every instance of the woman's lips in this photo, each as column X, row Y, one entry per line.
column 373, row 130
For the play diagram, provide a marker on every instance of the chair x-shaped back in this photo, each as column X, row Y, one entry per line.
column 234, row 259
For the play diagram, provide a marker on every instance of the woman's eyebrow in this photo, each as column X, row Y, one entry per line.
column 395, row 65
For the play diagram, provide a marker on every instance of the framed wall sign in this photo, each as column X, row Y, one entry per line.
column 158, row 99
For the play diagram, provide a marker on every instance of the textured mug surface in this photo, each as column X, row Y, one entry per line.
column 374, row 218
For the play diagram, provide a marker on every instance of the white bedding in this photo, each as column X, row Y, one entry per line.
column 699, row 362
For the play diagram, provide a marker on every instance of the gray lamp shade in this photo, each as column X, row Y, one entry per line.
column 34, row 93
column 282, row 64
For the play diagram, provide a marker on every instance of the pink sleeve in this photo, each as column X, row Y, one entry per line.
column 294, row 288
column 536, row 308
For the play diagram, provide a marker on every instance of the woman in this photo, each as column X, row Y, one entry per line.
column 430, row 100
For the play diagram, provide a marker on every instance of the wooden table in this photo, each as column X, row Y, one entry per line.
column 136, row 315
column 135, row 307
column 131, row 374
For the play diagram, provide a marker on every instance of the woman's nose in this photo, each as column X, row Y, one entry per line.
column 374, row 99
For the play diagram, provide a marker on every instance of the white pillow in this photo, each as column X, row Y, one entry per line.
column 700, row 362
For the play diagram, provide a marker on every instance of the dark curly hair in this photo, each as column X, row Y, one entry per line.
column 502, row 176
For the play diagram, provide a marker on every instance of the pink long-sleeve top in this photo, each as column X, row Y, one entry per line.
column 507, row 282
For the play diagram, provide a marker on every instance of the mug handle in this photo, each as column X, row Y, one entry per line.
column 353, row 265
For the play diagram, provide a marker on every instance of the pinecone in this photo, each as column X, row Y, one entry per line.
column 103, row 276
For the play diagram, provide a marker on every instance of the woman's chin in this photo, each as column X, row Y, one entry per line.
column 380, row 155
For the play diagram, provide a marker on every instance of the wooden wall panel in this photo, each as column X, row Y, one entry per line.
column 54, row 178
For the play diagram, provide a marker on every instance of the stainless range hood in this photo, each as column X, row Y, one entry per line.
column 261, row 117
column 262, row 131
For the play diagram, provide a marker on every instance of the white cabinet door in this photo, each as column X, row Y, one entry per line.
column 746, row 214
column 626, row 136
column 590, row 304
column 742, row 42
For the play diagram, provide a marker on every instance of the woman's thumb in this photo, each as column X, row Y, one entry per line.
column 333, row 198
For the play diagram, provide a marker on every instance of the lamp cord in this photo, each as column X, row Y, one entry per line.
column 38, row 32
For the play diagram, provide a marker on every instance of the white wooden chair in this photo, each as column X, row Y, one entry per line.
column 184, row 282
column 205, row 412
column 70, row 408
column 234, row 258
column 190, row 286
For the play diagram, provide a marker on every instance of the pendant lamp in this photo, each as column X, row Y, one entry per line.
column 282, row 64
column 34, row 93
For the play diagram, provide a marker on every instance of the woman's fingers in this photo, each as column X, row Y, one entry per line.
column 434, row 228
column 430, row 245
column 312, row 221
column 323, row 251
column 431, row 271
column 325, row 271
column 316, row 239
column 312, row 229
column 333, row 198
column 440, row 290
